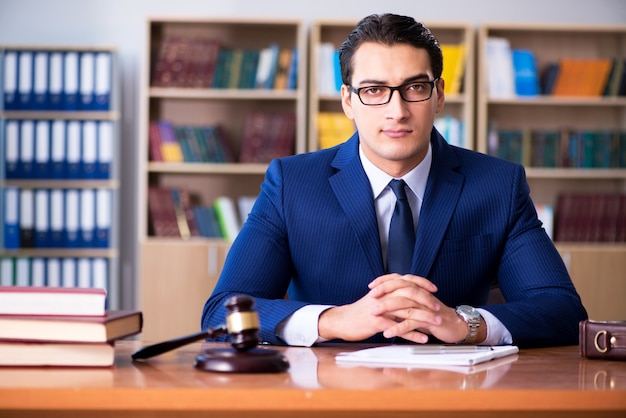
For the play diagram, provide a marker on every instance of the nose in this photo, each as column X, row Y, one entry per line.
column 397, row 108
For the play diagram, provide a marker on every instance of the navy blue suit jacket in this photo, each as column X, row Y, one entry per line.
column 313, row 233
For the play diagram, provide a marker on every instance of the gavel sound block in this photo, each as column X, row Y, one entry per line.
column 242, row 326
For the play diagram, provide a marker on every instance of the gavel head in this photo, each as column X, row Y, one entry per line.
column 242, row 322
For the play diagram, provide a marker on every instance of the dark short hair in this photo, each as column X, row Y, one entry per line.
column 389, row 29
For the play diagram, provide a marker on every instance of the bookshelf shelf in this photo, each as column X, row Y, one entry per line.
column 576, row 174
column 201, row 106
column 63, row 135
column 207, row 168
column 221, row 94
column 550, row 44
column 110, row 253
column 77, row 115
column 334, row 32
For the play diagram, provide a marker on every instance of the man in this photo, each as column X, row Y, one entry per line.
column 319, row 228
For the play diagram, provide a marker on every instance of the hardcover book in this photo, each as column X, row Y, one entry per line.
column 27, row 300
column 79, row 329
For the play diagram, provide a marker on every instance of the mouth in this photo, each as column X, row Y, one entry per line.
column 396, row 133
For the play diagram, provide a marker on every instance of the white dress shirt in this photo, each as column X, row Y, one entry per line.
column 300, row 329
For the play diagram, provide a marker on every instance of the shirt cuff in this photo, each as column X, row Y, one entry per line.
column 300, row 328
column 497, row 333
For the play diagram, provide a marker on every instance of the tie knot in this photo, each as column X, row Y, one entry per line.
column 398, row 189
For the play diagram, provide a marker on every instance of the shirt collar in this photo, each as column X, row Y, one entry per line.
column 416, row 178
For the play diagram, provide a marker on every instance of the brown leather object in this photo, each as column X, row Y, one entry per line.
column 602, row 339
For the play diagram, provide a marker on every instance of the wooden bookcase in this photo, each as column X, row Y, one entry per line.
column 109, row 115
column 176, row 275
column 459, row 106
column 597, row 269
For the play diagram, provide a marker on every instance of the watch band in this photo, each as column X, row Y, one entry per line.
column 472, row 318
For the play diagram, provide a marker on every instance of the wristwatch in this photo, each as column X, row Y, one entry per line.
column 472, row 317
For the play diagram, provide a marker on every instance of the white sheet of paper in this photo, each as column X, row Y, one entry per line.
column 436, row 355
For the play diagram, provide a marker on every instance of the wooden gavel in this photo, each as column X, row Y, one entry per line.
column 242, row 327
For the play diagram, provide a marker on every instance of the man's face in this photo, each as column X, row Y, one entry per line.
column 394, row 136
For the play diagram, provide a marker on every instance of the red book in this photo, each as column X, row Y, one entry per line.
column 32, row 300
column 79, row 329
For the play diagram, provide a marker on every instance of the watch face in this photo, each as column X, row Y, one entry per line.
column 468, row 310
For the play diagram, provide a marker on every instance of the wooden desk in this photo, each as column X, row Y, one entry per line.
column 552, row 382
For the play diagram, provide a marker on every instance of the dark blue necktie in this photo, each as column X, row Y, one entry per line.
column 401, row 232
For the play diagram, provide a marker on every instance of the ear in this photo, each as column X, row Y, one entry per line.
column 346, row 101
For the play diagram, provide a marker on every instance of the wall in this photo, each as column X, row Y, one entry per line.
column 121, row 23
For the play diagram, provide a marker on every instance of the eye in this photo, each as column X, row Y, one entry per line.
column 416, row 87
column 373, row 90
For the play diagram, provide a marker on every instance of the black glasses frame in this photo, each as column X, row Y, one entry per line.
column 399, row 88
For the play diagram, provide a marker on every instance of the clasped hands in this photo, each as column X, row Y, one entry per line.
column 398, row 306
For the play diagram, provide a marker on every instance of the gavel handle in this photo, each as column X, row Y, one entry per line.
column 165, row 346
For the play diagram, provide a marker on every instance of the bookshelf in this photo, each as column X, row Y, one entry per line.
column 333, row 32
column 596, row 268
column 181, row 272
column 59, row 135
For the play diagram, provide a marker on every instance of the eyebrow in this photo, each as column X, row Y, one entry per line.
column 370, row 82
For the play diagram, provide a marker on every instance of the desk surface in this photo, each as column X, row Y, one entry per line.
column 544, row 382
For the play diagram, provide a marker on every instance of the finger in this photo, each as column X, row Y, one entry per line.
column 382, row 279
column 413, row 335
column 417, row 280
column 394, row 296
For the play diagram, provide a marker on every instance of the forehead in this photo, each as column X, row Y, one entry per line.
column 389, row 64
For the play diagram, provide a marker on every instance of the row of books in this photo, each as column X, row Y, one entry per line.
column 56, row 218
column 186, row 143
column 58, row 149
column 559, row 148
column 205, row 63
column 61, row 327
column 267, row 135
column 590, row 217
column 69, row 272
column 514, row 72
column 329, row 71
column 56, row 80
column 174, row 212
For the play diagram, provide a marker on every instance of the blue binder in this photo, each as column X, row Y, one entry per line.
column 57, row 218
column 25, row 80
column 105, row 150
column 42, row 149
column 104, row 209
column 10, row 64
column 68, row 272
column 42, row 220
column 11, row 221
column 40, row 80
column 87, row 225
column 72, row 150
column 87, row 81
column 11, row 149
column 55, row 80
column 102, row 89
column 72, row 219
column 89, row 149
column 26, row 162
column 70, row 80
column 57, row 149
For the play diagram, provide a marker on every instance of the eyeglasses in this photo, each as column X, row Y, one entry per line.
column 415, row 91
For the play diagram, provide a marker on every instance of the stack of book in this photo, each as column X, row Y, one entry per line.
column 68, row 327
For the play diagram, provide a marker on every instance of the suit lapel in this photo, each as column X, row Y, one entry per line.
column 354, row 194
column 442, row 193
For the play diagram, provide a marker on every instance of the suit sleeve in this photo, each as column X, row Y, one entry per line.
column 258, row 263
column 543, row 307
